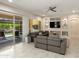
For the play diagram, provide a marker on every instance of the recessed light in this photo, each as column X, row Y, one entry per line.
column 73, row 11
column 65, row 19
column 43, row 15
column 11, row 1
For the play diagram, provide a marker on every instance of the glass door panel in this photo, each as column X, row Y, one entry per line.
column 10, row 30
column 18, row 31
column 6, row 32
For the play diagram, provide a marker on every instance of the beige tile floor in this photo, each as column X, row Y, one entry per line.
column 24, row 50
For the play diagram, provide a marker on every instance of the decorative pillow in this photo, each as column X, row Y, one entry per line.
column 55, row 34
column 40, row 33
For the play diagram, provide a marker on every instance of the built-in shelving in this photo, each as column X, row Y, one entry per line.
column 63, row 26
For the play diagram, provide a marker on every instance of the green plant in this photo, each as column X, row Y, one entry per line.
column 9, row 25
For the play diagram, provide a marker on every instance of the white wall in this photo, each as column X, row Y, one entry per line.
column 25, row 27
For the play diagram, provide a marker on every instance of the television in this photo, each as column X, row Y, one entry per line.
column 52, row 24
column 58, row 24
column 55, row 24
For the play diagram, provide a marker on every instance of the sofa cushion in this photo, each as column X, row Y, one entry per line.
column 42, row 39
column 53, row 48
column 42, row 46
column 55, row 41
column 55, row 38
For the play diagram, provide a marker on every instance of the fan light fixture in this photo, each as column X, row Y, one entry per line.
column 73, row 11
column 43, row 15
column 11, row 1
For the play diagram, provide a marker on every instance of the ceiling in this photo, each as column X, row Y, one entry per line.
column 40, row 7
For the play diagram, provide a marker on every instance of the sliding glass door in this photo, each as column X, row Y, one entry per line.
column 10, row 30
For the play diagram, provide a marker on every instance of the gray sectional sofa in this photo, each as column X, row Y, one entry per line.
column 53, row 44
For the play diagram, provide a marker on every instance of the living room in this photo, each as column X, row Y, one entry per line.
column 48, row 29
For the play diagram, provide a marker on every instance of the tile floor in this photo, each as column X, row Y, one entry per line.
column 24, row 50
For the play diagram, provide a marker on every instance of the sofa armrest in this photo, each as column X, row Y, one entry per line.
column 35, row 42
column 64, row 43
column 63, row 46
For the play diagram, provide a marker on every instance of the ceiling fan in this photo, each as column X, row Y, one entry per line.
column 52, row 9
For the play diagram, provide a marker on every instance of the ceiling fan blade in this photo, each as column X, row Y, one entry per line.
column 50, row 8
column 54, row 10
column 53, row 7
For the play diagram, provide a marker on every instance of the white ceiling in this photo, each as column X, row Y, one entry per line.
column 40, row 7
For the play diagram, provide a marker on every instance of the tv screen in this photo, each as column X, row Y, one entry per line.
column 52, row 24
column 58, row 24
